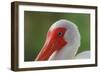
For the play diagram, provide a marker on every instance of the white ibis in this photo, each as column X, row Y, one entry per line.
column 62, row 42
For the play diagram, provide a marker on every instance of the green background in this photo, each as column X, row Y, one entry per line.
column 36, row 25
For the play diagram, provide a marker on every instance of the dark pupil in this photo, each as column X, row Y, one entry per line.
column 60, row 33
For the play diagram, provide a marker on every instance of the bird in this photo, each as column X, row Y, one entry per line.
column 62, row 42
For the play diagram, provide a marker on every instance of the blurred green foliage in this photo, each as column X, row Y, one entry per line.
column 36, row 25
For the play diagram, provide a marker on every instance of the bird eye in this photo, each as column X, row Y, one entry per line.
column 60, row 33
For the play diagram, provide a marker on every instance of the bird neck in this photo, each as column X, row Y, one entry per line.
column 67, row 52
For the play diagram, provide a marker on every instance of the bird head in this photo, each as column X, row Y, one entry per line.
column 61, row 33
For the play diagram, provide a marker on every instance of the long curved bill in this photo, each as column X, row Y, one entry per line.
column 47, row 50
column 53, row 42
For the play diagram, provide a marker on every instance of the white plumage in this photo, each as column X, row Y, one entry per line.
column 73, row 37
column 68, row 42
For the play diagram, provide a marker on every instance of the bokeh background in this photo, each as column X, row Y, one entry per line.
column 36, row 25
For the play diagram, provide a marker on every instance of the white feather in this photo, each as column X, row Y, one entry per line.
column 72, row 36
column 83, row 55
